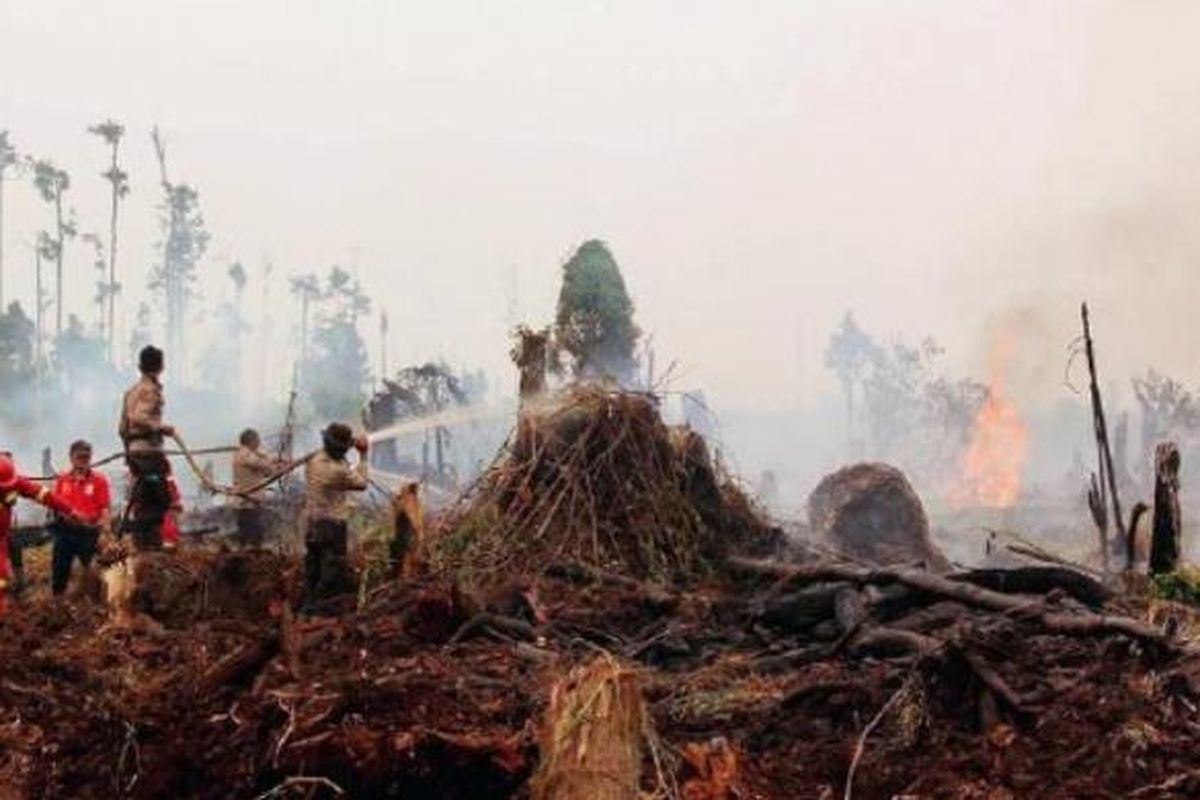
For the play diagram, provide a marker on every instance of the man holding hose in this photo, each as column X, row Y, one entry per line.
column 143, row 433
column 329, row 480
column 86, row 492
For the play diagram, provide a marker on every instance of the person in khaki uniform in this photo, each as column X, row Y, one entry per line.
column 251, row 467
column 329, row 480
column 143, row 433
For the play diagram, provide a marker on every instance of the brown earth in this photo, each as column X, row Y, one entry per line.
column 235, row 701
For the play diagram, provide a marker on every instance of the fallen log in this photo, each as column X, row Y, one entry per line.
column 1039, row 580
column 593, row 736
column 1023, row 548
column 802, row 609
column 893, row 641
column 240, row 664
column 1067, row 623
column 939, row 615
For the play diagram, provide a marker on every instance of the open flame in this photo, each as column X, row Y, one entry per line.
column 995, row 460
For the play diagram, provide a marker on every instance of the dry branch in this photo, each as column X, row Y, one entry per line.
column 861, row 745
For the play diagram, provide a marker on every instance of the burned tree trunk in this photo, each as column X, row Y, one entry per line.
column 529, row 352
column 1165, row 539
column 592, row 743
column 1105, row 488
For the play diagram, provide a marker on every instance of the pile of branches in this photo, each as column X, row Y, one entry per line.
column 597, row 478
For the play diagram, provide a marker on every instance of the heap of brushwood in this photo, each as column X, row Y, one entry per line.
column 596, row 477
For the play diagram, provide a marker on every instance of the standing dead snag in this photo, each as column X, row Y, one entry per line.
column 592, row 743
column 1165, row 544
column 1106, row 486
column 530, row 352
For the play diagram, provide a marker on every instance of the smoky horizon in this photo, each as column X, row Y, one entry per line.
column 967, row 176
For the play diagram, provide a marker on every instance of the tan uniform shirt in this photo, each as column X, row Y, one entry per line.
column 250, row 468
column 142, row 416
column 328, row 482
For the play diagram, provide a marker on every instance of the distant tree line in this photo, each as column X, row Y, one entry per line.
column 899, row 406
column 48, row 350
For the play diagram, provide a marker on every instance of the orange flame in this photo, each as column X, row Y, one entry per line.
column 995, row 460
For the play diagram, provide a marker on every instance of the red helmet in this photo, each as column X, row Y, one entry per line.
column 8, row 473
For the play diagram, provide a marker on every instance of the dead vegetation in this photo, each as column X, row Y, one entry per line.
column 597, row 478
column 592, row 664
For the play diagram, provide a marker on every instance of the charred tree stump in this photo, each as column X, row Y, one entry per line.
column 530, row 352
column 1165, row 539
column 592, row 743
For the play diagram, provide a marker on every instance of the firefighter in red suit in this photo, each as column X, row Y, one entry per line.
column 12, row 488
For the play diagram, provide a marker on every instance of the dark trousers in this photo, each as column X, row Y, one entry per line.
column 18, row 541
column 327, row 572
column 252, row 523
column 70, row 542
column 150, row 497
column 16, row 560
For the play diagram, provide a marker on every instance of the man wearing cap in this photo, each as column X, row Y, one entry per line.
column 143, row 432
column 87, row 493
column 12, row 488
column 329, row 479
column 251, row 466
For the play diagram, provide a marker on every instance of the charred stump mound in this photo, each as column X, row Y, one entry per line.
column 596, row 477
column 870, row 511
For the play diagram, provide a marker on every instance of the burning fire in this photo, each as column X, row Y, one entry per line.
column 995, row 460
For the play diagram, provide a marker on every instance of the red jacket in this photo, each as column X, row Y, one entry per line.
column 25, row 488
column 87, row 494
column 8, row 498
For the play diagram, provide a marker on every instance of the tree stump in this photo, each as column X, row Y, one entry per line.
column 592, row 742
column 1165, row 539
column 870, row 511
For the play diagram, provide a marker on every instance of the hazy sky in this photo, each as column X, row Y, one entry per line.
column 950, row 167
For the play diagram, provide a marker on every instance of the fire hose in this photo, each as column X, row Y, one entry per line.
column 207, row 482
column 246, row 494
